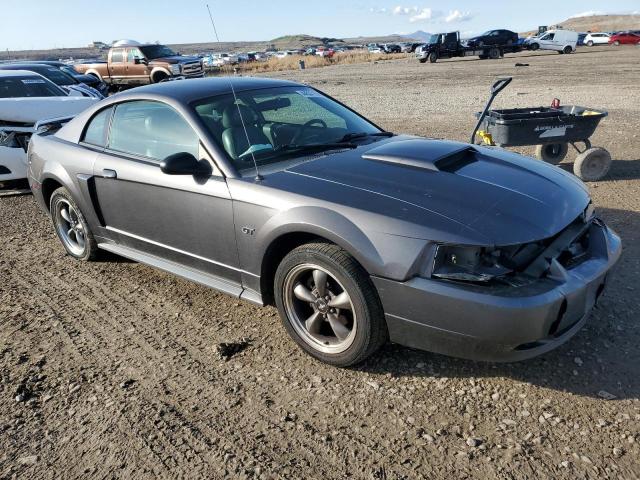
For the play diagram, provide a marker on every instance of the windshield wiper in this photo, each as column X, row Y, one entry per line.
column 353, row 136
column 316, row 147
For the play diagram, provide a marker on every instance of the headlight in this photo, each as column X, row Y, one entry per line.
column 469, row 264
column 175, row 69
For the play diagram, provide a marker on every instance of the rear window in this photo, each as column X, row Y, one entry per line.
column 28, row 86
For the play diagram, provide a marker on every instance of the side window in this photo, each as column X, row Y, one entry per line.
column 117, row 56
column 132, row 54
column 96, row 132
column 151, row 129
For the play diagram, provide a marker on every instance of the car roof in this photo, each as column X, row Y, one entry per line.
column 19, row 73
column 186, row 91
column 21, row 66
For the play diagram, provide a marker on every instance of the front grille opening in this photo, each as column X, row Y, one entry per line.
column 554, row 326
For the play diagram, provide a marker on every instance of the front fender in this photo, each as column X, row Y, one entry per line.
column 158, row 70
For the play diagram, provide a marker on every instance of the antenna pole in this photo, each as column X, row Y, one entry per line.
column 235, row 100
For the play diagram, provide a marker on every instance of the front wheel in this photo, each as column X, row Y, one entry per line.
column 71, row 227
column 592, row 164
column 329, row 305
column 433, row 57
column 534, row 46
column 590, row 43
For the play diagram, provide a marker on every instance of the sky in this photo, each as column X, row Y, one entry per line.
column 41, row 24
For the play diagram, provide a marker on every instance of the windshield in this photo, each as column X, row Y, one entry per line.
column 69, row 70
column 28, row 86
column 280, row 123
column 57, row 76
column 433, row 39
column 157, row 51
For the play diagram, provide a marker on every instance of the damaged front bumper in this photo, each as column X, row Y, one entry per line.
column 500, row 323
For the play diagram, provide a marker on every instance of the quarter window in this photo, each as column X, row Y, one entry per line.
column 96, row 132
column 151, row 129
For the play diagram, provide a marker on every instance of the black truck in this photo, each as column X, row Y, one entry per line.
column 449, row 45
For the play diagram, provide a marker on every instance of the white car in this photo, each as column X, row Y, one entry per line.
column 596, row 39
column 29, row 102
column 561, row 41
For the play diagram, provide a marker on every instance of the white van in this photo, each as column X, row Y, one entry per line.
column 562, row 41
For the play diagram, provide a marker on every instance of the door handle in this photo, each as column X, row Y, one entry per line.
column 108, row 173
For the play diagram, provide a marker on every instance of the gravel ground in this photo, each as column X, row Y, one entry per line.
column 116, row 370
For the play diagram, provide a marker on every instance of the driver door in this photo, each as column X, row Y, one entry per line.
column 186, row 220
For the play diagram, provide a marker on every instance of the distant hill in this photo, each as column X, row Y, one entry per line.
column 599, row 23
column 419, row 35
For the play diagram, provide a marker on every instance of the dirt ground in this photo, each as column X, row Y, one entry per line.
column 111, row 370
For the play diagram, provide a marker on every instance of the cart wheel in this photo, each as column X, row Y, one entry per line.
column 552, row 153
column 592, row 164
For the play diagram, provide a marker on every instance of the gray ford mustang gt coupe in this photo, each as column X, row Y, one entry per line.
column 273, row 192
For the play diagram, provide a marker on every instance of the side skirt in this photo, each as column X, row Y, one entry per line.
column 196, row 276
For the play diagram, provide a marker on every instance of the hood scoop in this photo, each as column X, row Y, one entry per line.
column 435, row 155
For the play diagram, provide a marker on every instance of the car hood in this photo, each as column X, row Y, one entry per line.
column 32, row 110
column 448, row 191
column 175, row 59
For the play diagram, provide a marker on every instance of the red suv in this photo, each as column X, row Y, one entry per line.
column 624, row 38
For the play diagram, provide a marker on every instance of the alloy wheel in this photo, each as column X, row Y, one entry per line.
column 70, row 227
column 319, row 308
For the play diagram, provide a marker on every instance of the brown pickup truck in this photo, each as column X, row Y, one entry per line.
column 130, row 63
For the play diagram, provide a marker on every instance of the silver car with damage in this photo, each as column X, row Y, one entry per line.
column 273, row 192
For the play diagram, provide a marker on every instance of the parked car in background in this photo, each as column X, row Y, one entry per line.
column 581, row 37
column 448, row 45
column 494, row 37
column 132, row 63
column 273, row 192
column 391, row 48
column 28, row 102
column 88, row 80
column 596, row 39
column 325, row 52
column 624, row 38
column 561, row 41
column 68, row 83
column 375, row 48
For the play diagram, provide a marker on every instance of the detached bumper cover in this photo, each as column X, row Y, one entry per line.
column 13, row 163
column 499, row 324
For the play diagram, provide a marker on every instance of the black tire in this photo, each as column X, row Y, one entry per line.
column 534, row 46
column 552, row 153
column 87, row 250
column 368, row 330
column 567, row 50
column 592, row 164
column 494, row 53
column 433, row 57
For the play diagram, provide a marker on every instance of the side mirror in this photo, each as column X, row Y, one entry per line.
column 138, row 61
column 184, row 163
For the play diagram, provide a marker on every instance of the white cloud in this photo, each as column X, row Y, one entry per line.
column 424, row 14
column 590, row 13
column 400, row 10
column 457, row 16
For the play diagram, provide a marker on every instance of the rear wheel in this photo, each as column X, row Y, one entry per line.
column 552, row 153
column 592, row 164
column 568, row 49
column 590, row 43
column 329, row 305
column 71, row 227
column 494, row 53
